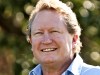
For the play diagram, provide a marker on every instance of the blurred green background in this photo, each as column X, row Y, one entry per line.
column 15, row 52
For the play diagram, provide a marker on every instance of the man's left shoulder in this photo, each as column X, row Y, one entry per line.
column 90, row 70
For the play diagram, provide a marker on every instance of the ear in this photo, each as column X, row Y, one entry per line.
column 75, row 38
column 29, row 39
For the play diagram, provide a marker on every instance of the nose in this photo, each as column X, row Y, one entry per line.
column 46, row 39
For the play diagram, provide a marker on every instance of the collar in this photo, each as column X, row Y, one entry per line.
column 36, row 71
column 76, row 66
column 74, row 69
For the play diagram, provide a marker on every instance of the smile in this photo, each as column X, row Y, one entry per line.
column 49, row 49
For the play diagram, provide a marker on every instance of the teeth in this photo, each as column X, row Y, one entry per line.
column 47, row 50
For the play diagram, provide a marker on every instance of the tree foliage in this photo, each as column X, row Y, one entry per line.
column 15, row 52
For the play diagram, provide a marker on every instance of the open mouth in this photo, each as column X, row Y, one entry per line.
column 48, row 49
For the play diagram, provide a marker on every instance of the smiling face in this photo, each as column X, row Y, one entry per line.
column 50, row 40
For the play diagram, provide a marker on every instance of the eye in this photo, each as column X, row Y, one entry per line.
column 38, row 33
column 55, row 31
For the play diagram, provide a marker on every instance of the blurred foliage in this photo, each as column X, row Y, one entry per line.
column 15, row 53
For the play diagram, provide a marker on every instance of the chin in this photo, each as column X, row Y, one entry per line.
column 47, row 62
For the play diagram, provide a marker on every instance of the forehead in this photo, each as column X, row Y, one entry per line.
column 48, row 12
column 48, row 17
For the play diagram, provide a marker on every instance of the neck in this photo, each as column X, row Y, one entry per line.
column 55, row 69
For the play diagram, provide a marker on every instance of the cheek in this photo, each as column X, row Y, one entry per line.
column 35, row 47
column 60, row 40
column 65, row 42
column 35, row 43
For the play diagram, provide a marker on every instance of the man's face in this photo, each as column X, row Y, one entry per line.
column 50, row 40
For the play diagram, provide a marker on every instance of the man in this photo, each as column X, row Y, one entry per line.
column 54, row 34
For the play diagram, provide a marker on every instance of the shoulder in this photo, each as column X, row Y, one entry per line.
column 90, row 69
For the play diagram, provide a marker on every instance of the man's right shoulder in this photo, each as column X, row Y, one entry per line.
column 90, row 70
